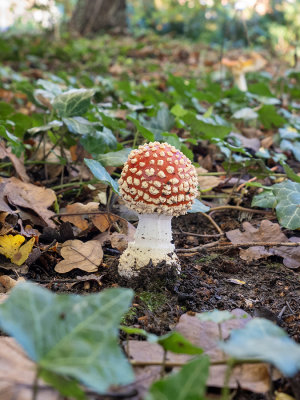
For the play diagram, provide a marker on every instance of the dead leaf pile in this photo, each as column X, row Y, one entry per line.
column 15, row 193
column 267, row 232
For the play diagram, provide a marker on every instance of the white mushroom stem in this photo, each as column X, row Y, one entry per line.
column 152, row 242
column 240, row 81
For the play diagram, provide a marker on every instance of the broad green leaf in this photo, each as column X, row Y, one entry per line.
column 187, row 384
column 5, row 110
column 216, row 316
column 49, row 86
column 262, row 340
column 205, row 130
column 66, row 387
column 73, row 103
column 294, row 147
column 99, row 142
column 22, row 123
column 114, row 159
column 137, row 331
column 245, row 114
column 79, row 125
column 261, row 89
column 177, row 343
column 198, row 207
column 172, row 139
column 269, row 117
column 100, row 173
column 144, row 131
column 266, row 199
column 178, row 111
column 290, row 173
column 52, row 125
column 287, row 194
column 70, row 335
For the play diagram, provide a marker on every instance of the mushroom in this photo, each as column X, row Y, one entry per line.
column 158, row 182
column 243, row 64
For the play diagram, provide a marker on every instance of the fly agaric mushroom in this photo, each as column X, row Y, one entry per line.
column 243, row 64
column 158, row 182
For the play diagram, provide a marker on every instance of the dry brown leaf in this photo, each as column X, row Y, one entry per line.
column 17, row 374
column 53, row 156
column 120, row 240
column 207, row 182
column 30, row 196
column 104, row 221
column 254, row 377
column 4, row 206
column 8, row 283
column 80, row 221
column 85, row 256
column 267, row 232
column 16, row 161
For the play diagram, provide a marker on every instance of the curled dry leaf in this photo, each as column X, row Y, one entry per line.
column 267, row 232
column 120, row 240
column 104, row 221
column 80, row 221
column 36, row 198
column 85, row 256
column 17, row 162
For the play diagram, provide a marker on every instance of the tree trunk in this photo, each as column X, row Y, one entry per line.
column 92, row 16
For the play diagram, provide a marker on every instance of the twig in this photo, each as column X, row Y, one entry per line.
column 220, row 246
column 198, row 234
column 238, row 208
column 213, row 223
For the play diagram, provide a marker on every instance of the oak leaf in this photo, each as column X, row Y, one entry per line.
column 85, row 256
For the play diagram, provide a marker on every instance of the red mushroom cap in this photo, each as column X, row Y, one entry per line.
column 158, row 178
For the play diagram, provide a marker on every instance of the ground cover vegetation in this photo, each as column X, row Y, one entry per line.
column 228, row 325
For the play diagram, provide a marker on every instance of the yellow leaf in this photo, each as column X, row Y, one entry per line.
column 10, row 247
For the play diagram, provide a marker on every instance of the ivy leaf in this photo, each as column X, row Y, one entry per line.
column 144, row 131
column 73, row 102
column 114, row 158
column 287, row 194
column 216, row 316
column 99, row 141
column 269, row 117
column 198, row 207
column 266, row 199
column 262, row 340
column 100, row 173
column 66, row 387
column 205, row 129
column 79, row 125
column 177, row 343
column 188, row 383
column 289, row 171
column 70, row 335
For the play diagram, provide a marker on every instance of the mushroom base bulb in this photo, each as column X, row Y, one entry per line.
column 153, row 242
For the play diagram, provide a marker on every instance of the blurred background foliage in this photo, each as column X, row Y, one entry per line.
column 272, row 24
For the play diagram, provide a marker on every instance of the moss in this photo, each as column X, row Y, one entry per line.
column 130, row 316
column 208, row 258
column 153, row 301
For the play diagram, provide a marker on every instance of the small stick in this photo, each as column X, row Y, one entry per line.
column 239, row 208
column 198, row 234
column 213, row 223
column 220, row 246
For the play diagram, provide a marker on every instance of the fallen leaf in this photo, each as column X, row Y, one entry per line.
column 104, row 221
column 17, row 374
column 85, row 256
column 10, row 247
column 207, row 183
column 30, row 196
column 267, row 232
column 204, row 334
column 120, row 240
column 17, row 162
column 80, row 221
column 8, row 283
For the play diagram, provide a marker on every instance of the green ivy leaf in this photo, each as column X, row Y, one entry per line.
column 79, row 125
column 216, row 316
column 5, row 110
column 269, row 117
column 287, row 194
column 67, row 387
column 290, row 173
column 205, row 130
column 189, row 383
column 75, row 102
column 114, row 158
column 99, row 142
column 177, row 343
column 100, row 173
column 144, row 131
column 266, row 199
column 70, row 335
column 262, row 340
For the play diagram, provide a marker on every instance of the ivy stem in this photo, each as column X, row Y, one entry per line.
column 225, row 393
column 35, row 387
